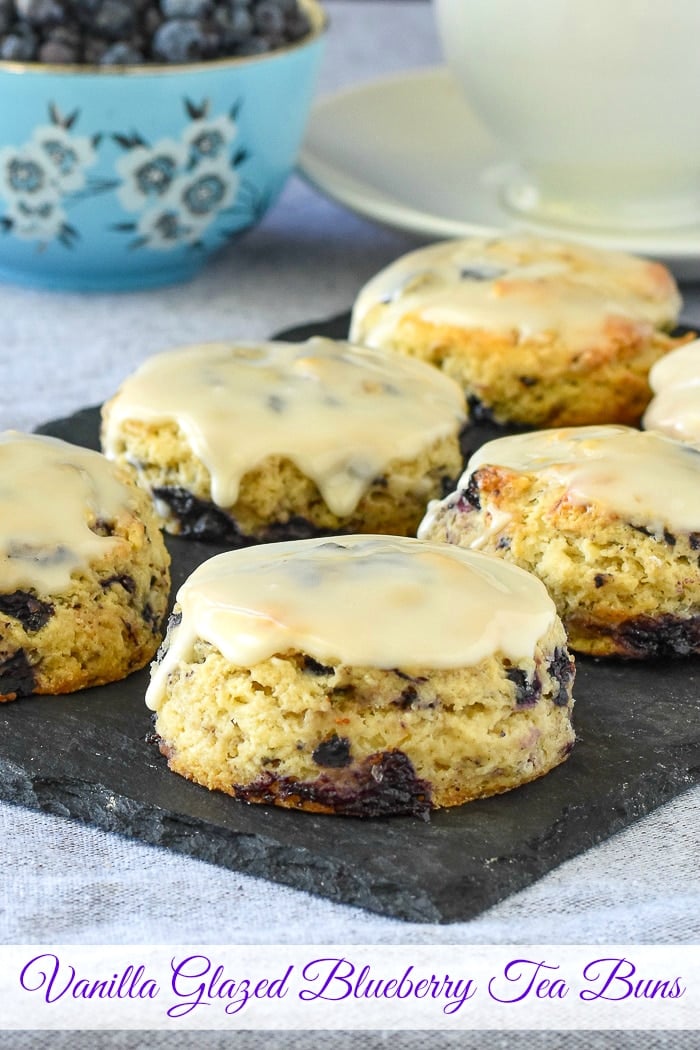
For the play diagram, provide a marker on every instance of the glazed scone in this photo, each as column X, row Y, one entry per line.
column 536, row 332
column 607, row 517
column 84, row 572
column 675, row 408
column 251, row 442
column 364, row 676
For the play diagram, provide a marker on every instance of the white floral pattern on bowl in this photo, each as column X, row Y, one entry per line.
column 179, row 187
column 176, row 188
column 39, row 177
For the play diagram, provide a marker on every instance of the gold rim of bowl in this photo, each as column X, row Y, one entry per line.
column 319, row 25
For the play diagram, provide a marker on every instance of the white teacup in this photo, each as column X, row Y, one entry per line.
column 599, row 101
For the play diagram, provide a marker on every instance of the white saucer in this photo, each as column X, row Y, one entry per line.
column 407, row 151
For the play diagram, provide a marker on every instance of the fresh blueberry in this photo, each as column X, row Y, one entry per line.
column 241, row 25
column 185, row 8
column 269, row 19
column 69, row 36
column 86, row 9
column 18, row 46
column 297, row 25
column 128, row 32
column 56, row 53
column 179, row 40
column 121, row 55
column 93, row 50
column 40, row 12
column 254, row 45
column 6, row 15
column 114, row 19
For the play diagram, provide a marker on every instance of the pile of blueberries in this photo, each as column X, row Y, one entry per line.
column 133, row 32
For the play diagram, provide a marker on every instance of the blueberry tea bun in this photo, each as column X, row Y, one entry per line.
column 607, row 517
column 250, row 442
column 537, row 332
column 362, row 676
column 84, row 573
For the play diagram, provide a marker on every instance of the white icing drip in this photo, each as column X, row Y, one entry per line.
column 340, row 413
column 675, row 379
column 643, row 477
column 49, row 490
column 364, row 600
column 572, row 290
column 435, row 506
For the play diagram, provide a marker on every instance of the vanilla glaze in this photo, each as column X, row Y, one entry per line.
column 49, row 491
column 368, row 601
column 519, row 285
column 645, row 478
column 340, row 413
column 675, row 380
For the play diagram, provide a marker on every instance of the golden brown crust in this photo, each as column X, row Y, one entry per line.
column 541, row 382
column 619, row 589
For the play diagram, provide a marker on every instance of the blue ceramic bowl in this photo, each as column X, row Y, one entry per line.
column 130, row 178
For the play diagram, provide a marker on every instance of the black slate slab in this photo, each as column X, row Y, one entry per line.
column 86, row 756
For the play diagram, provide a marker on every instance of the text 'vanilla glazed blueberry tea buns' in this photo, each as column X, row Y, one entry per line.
column 84, row 573
column 675, row 408
column 607, row 517
column 363, row 676
column 251, row 442
column 536, row 332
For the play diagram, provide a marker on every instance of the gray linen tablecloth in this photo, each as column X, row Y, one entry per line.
column 65, row 882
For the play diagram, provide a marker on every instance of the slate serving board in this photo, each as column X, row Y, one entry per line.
column 86, row 756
